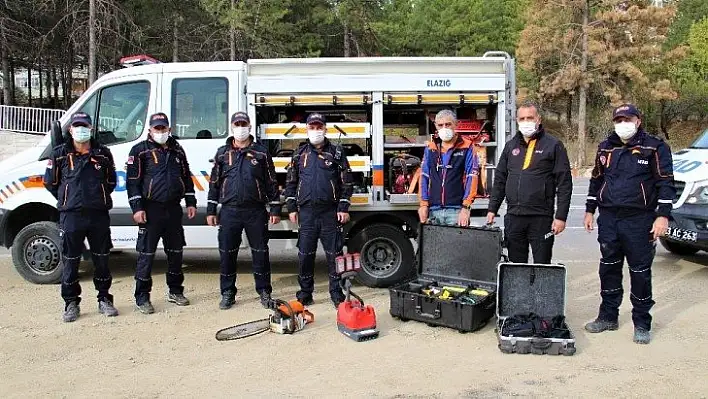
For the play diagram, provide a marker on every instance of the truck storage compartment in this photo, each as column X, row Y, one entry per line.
column 455, row 286
column 531, row 301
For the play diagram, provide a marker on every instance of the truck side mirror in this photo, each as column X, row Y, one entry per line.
column 57, row 136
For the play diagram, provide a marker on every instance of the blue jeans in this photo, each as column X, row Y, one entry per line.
column 444, row 216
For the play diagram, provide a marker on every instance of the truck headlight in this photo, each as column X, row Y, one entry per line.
column 699, row 195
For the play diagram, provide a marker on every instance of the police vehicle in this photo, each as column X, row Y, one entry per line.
column 688, row 226
column 379, row 109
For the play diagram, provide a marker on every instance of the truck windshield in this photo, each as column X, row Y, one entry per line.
column 701, row 141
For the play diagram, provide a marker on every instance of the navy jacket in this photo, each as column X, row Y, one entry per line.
column 319, row 178
column 243, row 177
column 81, row 180
column 158, row 174
column 531, row 175
column 633, row 176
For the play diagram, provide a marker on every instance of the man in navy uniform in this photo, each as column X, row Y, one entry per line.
column 243, row 181
column 632, row 184
column 81, row 175
column 158, row 177
column 318, row 193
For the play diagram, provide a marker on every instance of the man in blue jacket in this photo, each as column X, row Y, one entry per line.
column 81, row 175
column 158, row 178
column 632, row 184
column 449, row 176
column 318, row 193
column 243, row 181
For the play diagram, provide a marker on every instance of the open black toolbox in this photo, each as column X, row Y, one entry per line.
column 464, row 257
column 536, row 290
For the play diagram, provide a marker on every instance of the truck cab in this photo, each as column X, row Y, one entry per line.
column 688, row 225
column 379, row 109
column 198, row 98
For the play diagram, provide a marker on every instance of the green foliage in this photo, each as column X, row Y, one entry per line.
column 688, row 12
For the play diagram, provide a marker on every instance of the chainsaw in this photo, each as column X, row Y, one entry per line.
column 354, row 319
column 287, row 318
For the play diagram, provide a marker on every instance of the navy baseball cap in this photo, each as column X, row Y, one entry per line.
column 316, row 118
column 159, row 119
column 240, row 117
column 625, row 110
column 80, row 118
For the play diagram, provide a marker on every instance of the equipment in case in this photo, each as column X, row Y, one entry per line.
column 455, row 286
column 531, row 300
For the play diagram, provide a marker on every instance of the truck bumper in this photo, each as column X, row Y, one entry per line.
column 688, row 226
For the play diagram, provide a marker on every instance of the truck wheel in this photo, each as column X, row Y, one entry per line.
column 387, row 256
column 678, row 249
column 36, row 253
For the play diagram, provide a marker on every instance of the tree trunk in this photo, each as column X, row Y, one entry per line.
column 13, row 89
column 55, row 84
column 663, row 119
column 65, row 99
column 347, row 41
column 29, row 86
column 6, row 95
column 582, row 93
column 232, row 39
column 92, row 42
column 41, row 94
column 175, row 42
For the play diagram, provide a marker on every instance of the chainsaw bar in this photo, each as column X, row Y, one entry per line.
column 243, row 330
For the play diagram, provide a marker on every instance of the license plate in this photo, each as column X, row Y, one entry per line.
column 681, row 234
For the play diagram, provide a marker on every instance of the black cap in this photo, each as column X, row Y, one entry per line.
column 316, row 118
column 625, row 110
column 240, row 117
column 159, row 119
column 80, row 118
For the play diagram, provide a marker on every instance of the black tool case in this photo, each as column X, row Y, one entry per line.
column 532, row 288
column 463, row 257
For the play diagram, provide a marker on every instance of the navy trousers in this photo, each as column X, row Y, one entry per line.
column 318, row 223
column 626, row 236
column 232, row 222
column 163, row 221
column 74, row 228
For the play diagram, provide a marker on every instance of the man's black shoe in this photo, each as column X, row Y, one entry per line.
column 71, row 313
column 598, row 326
column 227, row 301
column 266, row 300
column 306, row 301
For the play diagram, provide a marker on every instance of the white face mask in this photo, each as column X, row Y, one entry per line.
column 240, row 133
column 160, row 138
column 315, row 136
column 527, row 128
column 625, row 130
column 445, row 134
column 81, row 134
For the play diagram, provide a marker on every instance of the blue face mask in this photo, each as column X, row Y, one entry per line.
column 81, row 134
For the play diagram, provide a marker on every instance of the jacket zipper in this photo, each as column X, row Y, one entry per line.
column 602, row 189
column 298, row 189
column 184, row 189
column 644, row 195
column 223, row 187
column 334, row 195
column 103, row 189
column 66, row 193
column 258, row 186
column 150, row 189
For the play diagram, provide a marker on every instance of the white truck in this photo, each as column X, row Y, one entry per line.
column 380, row 109
column 688, row 226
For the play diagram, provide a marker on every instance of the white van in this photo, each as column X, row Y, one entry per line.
column 380, row 108
column 688, row 226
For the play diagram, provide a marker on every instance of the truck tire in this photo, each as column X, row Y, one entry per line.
column 387, row 256
column 36, row 253
column 678, row 249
